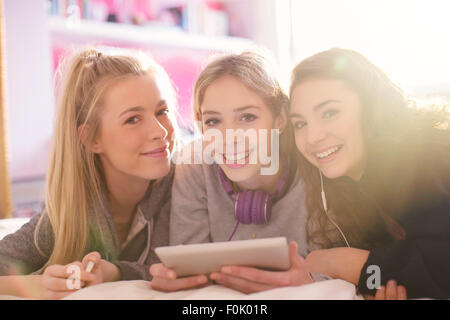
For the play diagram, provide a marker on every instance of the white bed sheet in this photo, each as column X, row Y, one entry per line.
column 140, row 290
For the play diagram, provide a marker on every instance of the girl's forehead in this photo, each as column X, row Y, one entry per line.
column 133, row 86
column 312, row 98
column 134, row 91
column 228, row 94
column 318, row 90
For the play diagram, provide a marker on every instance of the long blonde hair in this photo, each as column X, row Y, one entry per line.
column 75, row 175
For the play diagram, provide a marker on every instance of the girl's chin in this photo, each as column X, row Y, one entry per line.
column 157, row 171
column 332, row 173
column 240, row 174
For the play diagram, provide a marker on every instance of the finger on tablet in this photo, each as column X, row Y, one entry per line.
column 159, row 270
column 294, row 258
column 271, row 278
column 239, row 284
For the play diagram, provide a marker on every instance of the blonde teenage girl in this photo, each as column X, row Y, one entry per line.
column 108, row 184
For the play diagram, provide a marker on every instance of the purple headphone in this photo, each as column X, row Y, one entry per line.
column 254, row 206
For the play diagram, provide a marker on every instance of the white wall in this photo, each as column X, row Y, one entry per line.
column 409, row 39
column 30, row 105
column 265, row 22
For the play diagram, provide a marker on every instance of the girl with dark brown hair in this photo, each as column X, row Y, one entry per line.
column 377, row 174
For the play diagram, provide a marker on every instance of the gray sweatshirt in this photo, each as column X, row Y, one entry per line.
column 149, row 230
column 203, row 212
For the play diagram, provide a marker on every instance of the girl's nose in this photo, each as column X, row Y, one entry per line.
column 157, row 130
column 315, row 134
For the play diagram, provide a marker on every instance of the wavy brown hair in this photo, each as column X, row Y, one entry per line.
column 390, row 118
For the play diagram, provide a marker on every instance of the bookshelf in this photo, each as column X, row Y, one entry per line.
column 207, row 17
column 85, row 31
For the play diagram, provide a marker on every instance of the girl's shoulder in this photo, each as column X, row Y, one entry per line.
column 197, row 172
column 411, row 157
column 436, row 161
column 20, row 250
column 413, row 172
column 158, row 195
column 430, row 153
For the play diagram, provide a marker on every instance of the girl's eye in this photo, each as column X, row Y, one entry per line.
column 163, row 112
column 330, row 113
column 211, row 122
column 248, row 117
column 299, row 124
column 132, row 120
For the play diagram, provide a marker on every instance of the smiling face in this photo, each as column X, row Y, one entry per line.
column 327, row 119
column 229, row 104
column 133, row 140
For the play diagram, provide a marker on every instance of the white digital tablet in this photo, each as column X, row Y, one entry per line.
column 204, row 258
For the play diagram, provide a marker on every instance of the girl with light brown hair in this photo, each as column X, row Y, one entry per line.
column 108, row 184
column 231, row 199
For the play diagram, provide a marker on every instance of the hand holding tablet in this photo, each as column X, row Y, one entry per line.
column 204, row 258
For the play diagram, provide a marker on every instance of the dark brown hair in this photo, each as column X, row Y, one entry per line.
column 389, row 117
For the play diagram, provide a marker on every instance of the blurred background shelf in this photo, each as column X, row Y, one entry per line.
column 83, row 31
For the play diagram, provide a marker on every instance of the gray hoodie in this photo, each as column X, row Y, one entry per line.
column 203, row 212
column 150, row 229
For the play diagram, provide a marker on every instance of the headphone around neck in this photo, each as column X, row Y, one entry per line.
column 254, row 206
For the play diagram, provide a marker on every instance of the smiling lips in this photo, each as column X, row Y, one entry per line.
column 230, row 160
column 327, row 154
column 162, row 152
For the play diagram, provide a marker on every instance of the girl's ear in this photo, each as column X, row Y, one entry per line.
column 83, row 134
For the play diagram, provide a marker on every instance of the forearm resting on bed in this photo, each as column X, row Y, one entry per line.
column 28, row 286
column 338, row 263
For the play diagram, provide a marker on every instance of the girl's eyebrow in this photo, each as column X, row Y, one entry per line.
column 316, row 108
column 210, row 112
column 141, row 109
column 295, row 115
column 161, row 103
column 240, row 109
column 322, row 104
column 133, row 109
column 245, row 108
